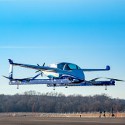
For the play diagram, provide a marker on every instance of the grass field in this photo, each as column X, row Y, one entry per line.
column 84, row 115
column 59, row 119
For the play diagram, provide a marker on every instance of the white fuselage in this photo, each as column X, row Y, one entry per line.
column 64, row 71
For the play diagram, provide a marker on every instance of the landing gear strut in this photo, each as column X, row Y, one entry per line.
column 54, row 85
column 106, row 87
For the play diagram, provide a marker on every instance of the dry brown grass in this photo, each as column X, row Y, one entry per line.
column 84, row 115
column 56, row 119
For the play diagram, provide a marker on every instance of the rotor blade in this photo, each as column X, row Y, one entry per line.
column 95, row 79
column 44, row 64
column 6, row 77
column 107, row 78
column 39, row 65
column 116, row 79
column 17, row 79
column 37, row 71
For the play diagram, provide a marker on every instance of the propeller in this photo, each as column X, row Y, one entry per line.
column 95, row 79
column 7, row 77
column 116, row 79
column 107, row 78
column 40, row 70
column 44, row 64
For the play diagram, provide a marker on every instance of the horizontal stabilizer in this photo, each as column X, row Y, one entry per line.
column 7, row 77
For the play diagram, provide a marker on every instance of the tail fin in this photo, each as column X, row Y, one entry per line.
column 10, row 61
column 11, row 69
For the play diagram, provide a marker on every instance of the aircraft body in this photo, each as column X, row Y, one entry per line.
column 60, row 74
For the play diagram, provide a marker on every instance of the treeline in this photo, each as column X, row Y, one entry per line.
column 58, row 103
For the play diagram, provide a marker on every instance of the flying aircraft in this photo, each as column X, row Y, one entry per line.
column 60, row 74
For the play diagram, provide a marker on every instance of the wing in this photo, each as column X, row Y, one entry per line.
column 89, row 70
column 36, row 67
column 42, row 68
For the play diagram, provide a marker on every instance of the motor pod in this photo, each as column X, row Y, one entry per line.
column 112, row 82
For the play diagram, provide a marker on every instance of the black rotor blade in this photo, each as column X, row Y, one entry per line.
column 6, row 77
column 95, row 79
column 108, row 78
column 44, row 64
column 37, row 71
column 116, row 79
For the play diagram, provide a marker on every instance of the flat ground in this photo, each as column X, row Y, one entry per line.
column 28, row 120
